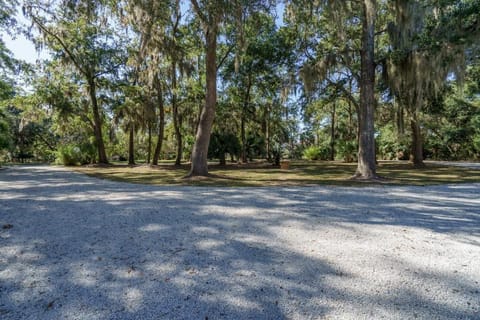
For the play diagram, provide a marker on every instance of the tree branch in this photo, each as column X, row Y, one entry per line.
column 230, row 49
column 199, row 12
column 347, row 94
column 45, row 141
column 98, row 74
column 62, row 44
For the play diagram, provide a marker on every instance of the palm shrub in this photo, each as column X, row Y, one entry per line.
column 68, row 155
column 347, row 150
column 391, row 145
column 316, row 153
column 73, row 155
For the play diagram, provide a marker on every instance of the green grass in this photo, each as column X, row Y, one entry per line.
column 301, row 173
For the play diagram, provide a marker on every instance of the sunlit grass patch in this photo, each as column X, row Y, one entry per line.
column 301, row 173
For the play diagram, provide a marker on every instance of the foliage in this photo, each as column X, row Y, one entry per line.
column 133, row 75
column 454, row 126
column 221, row 143
column 316, row 153
column 5, row 138
column 72, row 155
column 429, row 44
column 28, row 132
column 68, row 155
column 82, row 39
column 347, row 150
column 391, row 146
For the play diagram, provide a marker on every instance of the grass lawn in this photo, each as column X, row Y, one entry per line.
column 300, row 173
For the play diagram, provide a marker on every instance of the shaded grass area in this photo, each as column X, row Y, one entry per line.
column 263, row 174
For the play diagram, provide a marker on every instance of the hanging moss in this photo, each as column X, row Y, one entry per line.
column 416, row 72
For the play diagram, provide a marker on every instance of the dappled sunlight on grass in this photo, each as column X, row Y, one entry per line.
column 431, row 174
column 262, row 174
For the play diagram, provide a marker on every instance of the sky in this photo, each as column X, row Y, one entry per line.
column 21, row 47
column 24, row 49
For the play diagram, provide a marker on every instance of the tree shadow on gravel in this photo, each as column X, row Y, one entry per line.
column 82, row 248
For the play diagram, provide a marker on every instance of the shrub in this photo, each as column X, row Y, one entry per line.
column 73, row 155
column 347, row 150
column 68, row 155
column 221, row 143
column 316, row 153
column 390, row 146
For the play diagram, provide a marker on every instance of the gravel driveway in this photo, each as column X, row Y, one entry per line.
column 74, row 247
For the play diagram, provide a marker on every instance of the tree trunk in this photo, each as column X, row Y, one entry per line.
column 204, row 130
column 223, row 159
column 179, row 138
column 97, row 121
column 200, row 105
column 244, row 138
column 417, row 142
column 332, row 134
column 161, row 123
column 366, row 150
column 149, row 151
column 246, row 102
column 158, row 146
column 266, row 129
column 176, row 117
column 131, row 149
column 400, row 119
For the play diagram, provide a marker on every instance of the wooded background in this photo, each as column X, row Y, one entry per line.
column 241, row 80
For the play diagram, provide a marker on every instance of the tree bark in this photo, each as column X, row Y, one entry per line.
column 178, row 135
column 97, row 121
column 222, row 160
column 176, row 116
column 351, row 135
column 246, row 102
column 366, row 150
column 149, row 143
column 417, row 142
column 244, row 138
column 265, row 132
column 400, row 119
column 131, row 149
column 200, row 149
column 161, row 123
column 332, row 134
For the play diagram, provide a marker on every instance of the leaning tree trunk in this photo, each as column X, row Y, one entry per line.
column 417, row 142
column 131, row 148
column 97, row 122
column 178, row 134
column 161, row 124
column 204, row 130
column 366, row 150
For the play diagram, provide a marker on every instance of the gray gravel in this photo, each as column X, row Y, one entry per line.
column 74, row 247
column 464, row 164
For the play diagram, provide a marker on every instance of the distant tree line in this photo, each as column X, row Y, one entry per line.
column 239, row 80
